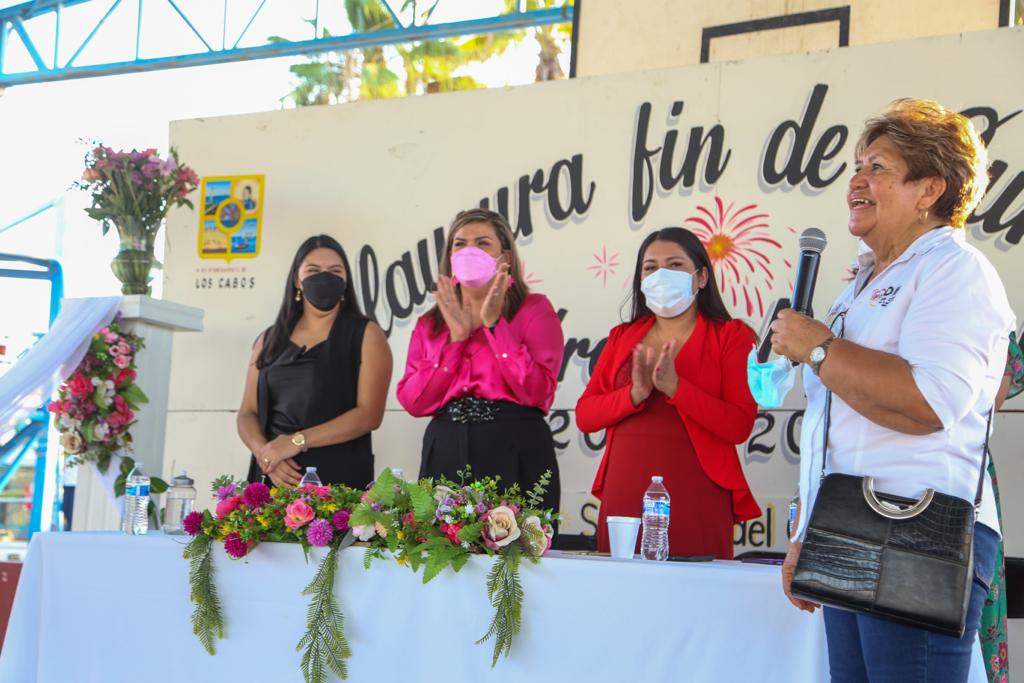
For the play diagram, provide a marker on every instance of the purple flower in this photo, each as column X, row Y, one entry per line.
column 481, row 508
column 193, row 523
column 375, row 506
column 340, row 520
column 319, row 533
column 226, row 491
column 167, row 167
column 235, row 546
column 255, row 495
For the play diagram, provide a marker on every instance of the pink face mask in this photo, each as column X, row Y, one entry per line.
column 473, row 267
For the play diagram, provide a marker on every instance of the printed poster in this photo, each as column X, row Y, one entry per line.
column 231, row 221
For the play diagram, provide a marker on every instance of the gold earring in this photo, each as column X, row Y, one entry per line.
column 298, row 295
column 923, row 216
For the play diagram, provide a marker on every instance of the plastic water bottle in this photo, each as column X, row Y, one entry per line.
column 136, row 502
column 181, row 498
column 654, row 545
column 311, row 477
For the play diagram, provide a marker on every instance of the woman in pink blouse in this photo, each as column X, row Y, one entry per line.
column 484, row 362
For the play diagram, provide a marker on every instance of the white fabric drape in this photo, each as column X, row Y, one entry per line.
column 35, row 376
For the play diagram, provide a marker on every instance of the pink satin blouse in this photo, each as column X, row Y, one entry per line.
column 518, row 362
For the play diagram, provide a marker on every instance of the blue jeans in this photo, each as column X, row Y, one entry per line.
column 863, row 648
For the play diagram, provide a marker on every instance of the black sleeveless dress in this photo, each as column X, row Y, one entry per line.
column 303, row 388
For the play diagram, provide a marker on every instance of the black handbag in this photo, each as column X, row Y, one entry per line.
column 907, row 560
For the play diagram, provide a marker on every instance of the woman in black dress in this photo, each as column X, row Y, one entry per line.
column 318, row 378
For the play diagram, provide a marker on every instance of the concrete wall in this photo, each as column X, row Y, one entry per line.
column 616, row 36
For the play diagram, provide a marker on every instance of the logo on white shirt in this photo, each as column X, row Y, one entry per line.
column 883, row 296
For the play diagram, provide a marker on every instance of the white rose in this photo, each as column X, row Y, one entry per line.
column 539, row 539
column 442, row 492
column 364, row 532
column 72, row 443
column 501, row 527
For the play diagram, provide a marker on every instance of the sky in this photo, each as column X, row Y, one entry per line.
column 42, row 126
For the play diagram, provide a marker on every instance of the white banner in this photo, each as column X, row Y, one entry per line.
column 744, row 154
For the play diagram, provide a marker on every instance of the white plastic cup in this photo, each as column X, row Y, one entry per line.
column 622, row 533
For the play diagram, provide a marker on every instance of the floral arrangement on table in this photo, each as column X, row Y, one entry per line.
column 95, row 407
column 430, row 524
column 133, row 191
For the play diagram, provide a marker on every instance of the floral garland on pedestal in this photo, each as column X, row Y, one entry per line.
column 429, row 524
column 96, row 406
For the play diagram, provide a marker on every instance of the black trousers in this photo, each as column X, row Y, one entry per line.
column 516, row 446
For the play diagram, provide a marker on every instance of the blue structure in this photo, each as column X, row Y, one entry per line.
column 32, row 434
column 19, row 18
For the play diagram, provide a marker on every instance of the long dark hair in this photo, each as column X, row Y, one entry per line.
column 517, row 289
column 709, row 300
column 275, row 338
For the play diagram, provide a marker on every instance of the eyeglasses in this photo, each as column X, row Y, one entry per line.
column 838, row 324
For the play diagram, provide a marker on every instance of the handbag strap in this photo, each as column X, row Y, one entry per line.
column 984, row 452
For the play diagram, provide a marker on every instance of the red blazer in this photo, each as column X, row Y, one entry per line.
column 713, row 400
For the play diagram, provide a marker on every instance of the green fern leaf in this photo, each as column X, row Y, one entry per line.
column 423, row 504
column 505, row 591
column 207, row 617
column 324, row 647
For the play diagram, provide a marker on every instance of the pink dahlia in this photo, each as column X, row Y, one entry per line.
column 235, row 546
column 193, row 523
column 228, row 505
column 256, row 494
column 322, row 491
column 298, row 515
column 340, row 520
column 319, row 533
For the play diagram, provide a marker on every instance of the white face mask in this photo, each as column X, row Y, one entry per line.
column 669, row 292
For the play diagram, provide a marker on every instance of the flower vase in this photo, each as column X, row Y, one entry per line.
column 135, row 260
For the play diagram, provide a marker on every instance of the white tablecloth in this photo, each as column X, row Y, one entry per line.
column 103, row 606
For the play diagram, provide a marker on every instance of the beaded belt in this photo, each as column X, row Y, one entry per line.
column 470, row 409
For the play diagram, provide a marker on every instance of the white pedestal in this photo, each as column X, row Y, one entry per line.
column 155, row 321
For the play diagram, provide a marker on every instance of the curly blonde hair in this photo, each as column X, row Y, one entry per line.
column 935, row 142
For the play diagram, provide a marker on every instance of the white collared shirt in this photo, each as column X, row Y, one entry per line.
column 941, row 307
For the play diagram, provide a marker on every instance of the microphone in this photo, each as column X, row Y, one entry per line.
column 812, row 243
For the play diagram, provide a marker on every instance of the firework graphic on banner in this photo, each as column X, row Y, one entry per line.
column 741, row 248
column 604, row 265
column 529, row 278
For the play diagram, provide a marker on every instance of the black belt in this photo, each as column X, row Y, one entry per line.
column 471, row 409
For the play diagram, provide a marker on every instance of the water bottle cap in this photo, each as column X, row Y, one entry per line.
column 182, row 480
column 656, row 479
column 311, row 469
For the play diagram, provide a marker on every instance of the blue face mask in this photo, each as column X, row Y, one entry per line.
column 770, row 382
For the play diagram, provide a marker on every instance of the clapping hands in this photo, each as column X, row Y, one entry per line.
column 654, row 370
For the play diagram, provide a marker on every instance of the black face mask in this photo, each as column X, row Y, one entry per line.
column 324, row 290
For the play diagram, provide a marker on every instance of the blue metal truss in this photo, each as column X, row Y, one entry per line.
column 32, row 434
column 15, row 22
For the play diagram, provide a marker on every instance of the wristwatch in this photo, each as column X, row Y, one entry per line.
column 818, row 354
column 299, row 440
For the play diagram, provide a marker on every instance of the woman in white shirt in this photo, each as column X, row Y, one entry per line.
column 913, row 353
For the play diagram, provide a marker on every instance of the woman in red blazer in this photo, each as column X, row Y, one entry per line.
column 671, row 390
